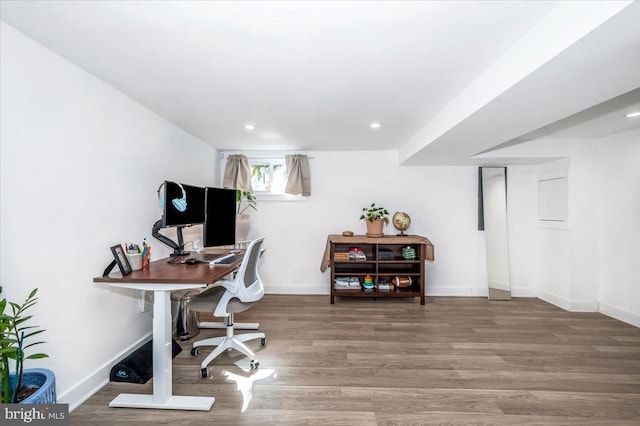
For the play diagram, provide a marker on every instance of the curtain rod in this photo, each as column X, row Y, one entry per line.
column 259, row 157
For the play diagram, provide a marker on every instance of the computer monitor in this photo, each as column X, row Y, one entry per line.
column 182, row 206
column 220, row 218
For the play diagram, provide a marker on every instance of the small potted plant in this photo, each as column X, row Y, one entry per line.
column 32, row 386
column 244, row 200
column 375, row 219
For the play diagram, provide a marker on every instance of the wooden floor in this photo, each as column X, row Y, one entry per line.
column 453, row 361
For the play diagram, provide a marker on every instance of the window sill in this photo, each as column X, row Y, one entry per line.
column 278, row 197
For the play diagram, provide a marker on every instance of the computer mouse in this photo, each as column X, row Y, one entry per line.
column 192, row 261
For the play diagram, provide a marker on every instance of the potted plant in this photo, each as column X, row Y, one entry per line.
column 244, row 200
column 32, row 386
column 375, row 219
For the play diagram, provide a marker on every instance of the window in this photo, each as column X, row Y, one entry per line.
column 268, row 175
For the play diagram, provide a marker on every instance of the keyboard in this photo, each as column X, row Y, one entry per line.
column 208, row 257
column 228, row 260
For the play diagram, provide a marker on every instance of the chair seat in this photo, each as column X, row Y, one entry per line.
column 210, row 299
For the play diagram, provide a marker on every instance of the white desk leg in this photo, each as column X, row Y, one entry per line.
column 162, row 359
column 162, row 362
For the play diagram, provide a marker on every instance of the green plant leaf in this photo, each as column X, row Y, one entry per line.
column 32, row 344
column 14, row 333
column 28, row 304
column 37, row 356
column 373, row 213
column 21, row 320
column 32, row 334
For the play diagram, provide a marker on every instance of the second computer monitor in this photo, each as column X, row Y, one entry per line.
column 220, row 217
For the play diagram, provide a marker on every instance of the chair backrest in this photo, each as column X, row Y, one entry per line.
column 247, row 283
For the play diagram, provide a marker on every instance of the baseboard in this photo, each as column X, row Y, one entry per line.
column 451, row 290
column 476, row 291
column 323, row 289
column 619, row 314
column 96, row 381
column 569, row 305
column 554, row 299
column 584, row 306
column 296, row 289
column 523, row 292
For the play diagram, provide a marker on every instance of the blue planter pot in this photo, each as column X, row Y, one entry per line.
column 41, row 377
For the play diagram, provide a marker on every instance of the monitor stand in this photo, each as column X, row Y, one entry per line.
column 178, row 248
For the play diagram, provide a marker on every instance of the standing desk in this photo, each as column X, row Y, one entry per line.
column 162, row 278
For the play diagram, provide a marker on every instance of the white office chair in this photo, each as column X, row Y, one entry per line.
column 227, row 299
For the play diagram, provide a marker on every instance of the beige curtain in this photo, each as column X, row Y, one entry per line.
column 237, row 174
column 299, row 180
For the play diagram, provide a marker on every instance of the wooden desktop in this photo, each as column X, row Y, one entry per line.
column 162, row 278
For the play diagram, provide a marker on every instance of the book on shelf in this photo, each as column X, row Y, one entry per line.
column 341, row 256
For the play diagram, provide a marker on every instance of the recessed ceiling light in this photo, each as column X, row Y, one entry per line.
column 249, row 126
column 374, row 125
column 633, row 114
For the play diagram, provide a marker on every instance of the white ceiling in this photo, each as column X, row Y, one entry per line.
column 447, row 80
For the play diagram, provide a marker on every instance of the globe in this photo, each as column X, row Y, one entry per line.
column 401, row 221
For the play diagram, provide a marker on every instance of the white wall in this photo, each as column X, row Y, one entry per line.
column 80, row 166
column 589, row 262
column 618, row 230
column 554, row 238
column 571, row 267
column 583, row 220
column 522, row 206
column 442, row 203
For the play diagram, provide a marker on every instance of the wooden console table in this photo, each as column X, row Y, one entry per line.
column 383, row 261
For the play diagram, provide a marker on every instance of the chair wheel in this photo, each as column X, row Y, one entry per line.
column 263, row 341
column 194, row 351
column 254, row 364
column 204, row 372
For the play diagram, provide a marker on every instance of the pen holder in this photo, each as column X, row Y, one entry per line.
column 135, row 260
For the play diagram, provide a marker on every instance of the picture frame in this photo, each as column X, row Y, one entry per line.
column 121, row 259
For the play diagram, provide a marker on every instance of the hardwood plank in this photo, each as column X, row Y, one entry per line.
column 394, row 362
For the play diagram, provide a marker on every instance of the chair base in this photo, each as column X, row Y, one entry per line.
column 221, row 325
column 228, row 342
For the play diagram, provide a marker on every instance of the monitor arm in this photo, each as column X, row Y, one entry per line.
column 178, row 248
